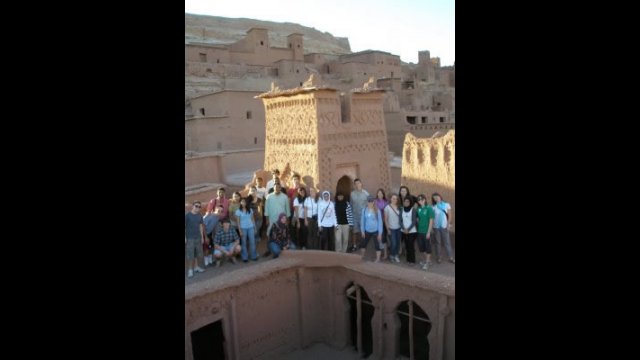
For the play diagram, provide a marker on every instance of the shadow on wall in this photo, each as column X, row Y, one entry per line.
column 285, row 179
column 420, row 186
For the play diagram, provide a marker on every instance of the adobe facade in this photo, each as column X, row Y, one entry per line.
column 428, row 166
column 302, row 298
column 419, row 98
column 225, row 120
column 327, row 137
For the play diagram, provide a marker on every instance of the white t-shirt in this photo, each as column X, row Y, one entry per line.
column 406, row 219
column 312, row 206
column 393, row 218
column 300, row 207
column 261, row 192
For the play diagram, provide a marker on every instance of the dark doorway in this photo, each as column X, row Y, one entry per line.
column 208, row 342
column 344, row 186
column 412, row 316
column 367, row 311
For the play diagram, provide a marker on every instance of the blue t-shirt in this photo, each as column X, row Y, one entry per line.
column 371, row 222
column 192, row 225
column 210, row 222
column 440, row 221
column 245, row 219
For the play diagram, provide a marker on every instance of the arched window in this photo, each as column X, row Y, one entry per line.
column 361, row 311
column 414, row 329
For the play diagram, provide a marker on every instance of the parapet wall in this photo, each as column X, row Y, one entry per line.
column 428, row 166
column 279, row 306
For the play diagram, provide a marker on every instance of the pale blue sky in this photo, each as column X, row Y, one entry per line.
column 401, row 27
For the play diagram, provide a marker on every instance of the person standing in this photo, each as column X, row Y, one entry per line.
column 220, row 200
column 246, row 226
column 392, row 220
column 358, row 200
column 327, row 222
column 194, row 234
column 409, row 220
column 371, row 227
column 441, row 226
column 300, row 216
column 211, row 220
column 311, row 204
column 275, row 176
column 426, row 215
column 344, row 217
column 381, row 203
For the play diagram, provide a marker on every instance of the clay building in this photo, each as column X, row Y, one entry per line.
column 420, row 97
column 224, row 120
column 428, row 166
column 309, row 297
column 328, row 138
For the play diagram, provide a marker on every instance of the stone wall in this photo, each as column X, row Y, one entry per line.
column 428, row 166
column 276, row 307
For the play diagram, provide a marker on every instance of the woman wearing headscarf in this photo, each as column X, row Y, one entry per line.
column 409, row 220
column 279, row 236
column 327, row 222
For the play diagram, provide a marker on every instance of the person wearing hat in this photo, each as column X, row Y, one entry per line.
column 279, row 236
column 327, row 222
column 371, row 227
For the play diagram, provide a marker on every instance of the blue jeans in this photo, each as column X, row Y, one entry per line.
column 275, row 249
column 252, row 243
column 395, row 235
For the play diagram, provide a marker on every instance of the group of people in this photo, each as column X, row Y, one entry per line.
column 292, row 218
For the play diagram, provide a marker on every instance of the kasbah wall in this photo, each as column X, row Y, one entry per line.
column 428, row 166
column 323, row 135
column 278, row 307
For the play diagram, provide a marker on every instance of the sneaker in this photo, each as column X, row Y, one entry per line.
column 190, row 273
column 198, row 269
column 425, row 266
column 206, row 261
column 397, row 259
column 422, row 262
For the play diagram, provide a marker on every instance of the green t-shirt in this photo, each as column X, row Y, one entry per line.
column 424, row 214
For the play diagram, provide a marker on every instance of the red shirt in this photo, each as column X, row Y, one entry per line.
column 225, row 206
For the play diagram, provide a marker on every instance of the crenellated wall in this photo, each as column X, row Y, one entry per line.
column 324, row 136
column 428, row 166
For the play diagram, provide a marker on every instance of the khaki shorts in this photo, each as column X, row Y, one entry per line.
column 194, row 246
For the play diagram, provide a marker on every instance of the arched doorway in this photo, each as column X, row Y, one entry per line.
column 414, row 330
column 344, row 185
column 360, row 306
